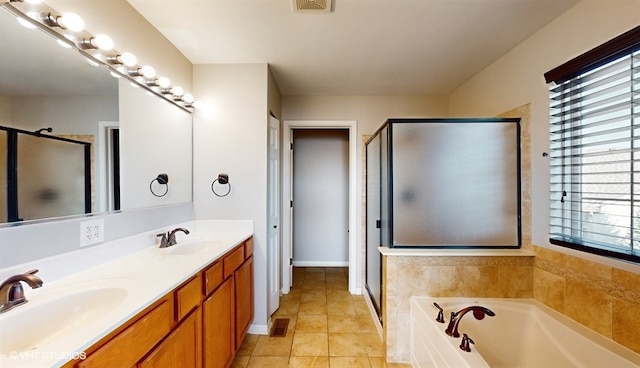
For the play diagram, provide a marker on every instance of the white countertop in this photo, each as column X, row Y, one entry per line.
column 135, row 279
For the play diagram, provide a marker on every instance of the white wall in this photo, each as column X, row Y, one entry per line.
column 517, row 79
column 369, row 112
column 155, row 138
column 230, row 136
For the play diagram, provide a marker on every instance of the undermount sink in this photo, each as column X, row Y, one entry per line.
column 190, row 247
column 37, row 322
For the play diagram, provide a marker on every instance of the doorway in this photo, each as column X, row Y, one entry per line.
column 320, row 197
column 327, row 151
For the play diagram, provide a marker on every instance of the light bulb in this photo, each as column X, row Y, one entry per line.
column 177, row 91
column 188, row 98
column 128, row 59
column 164, row 82
column 148, row 71
column 71, row 22
column 102, row 42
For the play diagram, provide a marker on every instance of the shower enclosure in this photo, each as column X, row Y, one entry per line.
column 441, row 183
column 44, row 176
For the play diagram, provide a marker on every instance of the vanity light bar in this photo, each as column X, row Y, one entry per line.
column 121, row 65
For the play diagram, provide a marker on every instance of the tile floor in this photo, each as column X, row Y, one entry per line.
column 328, row 328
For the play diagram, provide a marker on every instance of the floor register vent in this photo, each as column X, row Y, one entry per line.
column 312, row 6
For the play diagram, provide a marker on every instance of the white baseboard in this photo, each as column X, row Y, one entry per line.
column 321, row 263
column 258, row 329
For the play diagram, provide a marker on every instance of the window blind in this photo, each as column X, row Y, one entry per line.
column 595, row 155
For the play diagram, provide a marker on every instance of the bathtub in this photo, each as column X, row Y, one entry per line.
column 523, row 333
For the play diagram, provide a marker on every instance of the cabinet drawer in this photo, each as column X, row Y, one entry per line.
column 129, row 346
column 212, row 277
column 188, row 297
column 233, row 261
column 248, row 248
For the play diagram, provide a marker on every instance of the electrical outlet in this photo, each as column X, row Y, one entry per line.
column 91, row 232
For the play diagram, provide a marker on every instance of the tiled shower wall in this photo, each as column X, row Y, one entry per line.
column 603, row 298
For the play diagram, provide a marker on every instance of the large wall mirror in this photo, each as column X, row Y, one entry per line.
column 75, row 140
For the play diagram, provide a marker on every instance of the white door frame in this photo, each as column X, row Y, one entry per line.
column 287, row 192
column 273, row 217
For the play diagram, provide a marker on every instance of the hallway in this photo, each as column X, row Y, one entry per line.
column 328, row 327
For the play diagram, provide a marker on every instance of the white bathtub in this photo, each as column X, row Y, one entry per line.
column 524, row 333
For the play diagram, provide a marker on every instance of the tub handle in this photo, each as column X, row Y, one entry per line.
column 464, row 344
column 440, row 317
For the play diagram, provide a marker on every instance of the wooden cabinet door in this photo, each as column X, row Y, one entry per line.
column 243, row 299
column 218, row 327
column 181, row 348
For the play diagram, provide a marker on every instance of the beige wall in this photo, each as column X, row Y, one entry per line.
column 517, row 79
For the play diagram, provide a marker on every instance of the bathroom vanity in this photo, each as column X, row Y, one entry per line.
column 188, row 305
column 206, row 316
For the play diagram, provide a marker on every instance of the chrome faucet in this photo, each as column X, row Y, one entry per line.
column 169, row 238
column 12, row 293
column 478, row 312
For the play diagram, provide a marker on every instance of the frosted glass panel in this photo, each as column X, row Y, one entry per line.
column 3, row 176
column 455, row 183
column 50, row 177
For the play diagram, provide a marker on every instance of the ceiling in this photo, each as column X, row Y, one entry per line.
column 363, row 47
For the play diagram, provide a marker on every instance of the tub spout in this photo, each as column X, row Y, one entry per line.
column 478, row 312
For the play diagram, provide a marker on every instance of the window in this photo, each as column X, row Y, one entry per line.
column 595, row 150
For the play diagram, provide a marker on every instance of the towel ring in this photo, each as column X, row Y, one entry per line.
column 224, row 180
column 161, row 179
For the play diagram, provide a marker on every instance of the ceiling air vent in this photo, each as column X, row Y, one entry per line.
column 311, row 6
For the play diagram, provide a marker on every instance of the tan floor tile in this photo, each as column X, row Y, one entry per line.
column 313, row 307
column 334, row 307
column 338, row 295
column 309, row 362
column 310, row 344
column 346, row 345
column 247, row 345
column 314, row 285
column 337, row 285
column 367, row 324
column 240, row 362
column 294, row 294
column 343, row 323
column 312, row 323
column 373, row 344
column 268, row 362
column 377, row 362
column 273, row 346
column 350, row 362
column 360, row 304
column 288, row 307
column 313, row 294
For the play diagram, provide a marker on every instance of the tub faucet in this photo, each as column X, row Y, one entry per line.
column 478, row 312
column 12, row 293
column 464, row 344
